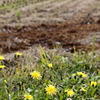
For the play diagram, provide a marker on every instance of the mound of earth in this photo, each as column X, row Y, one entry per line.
column 72, row 24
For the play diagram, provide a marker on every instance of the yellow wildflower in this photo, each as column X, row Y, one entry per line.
column 93, row 83
column 28, row 97
column 82, row 88
column 2, row 58
column 81, row 74
column 35, row 74
column 18, row 54
column 2, row 66
column 70, row 93
column 49, row 65
column 50, row 89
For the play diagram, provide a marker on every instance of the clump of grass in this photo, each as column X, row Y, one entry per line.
column 54, row 77
column 18, row 15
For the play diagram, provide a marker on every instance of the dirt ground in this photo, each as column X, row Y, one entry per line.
column 67, row 23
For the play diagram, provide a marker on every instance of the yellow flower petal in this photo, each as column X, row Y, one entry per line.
column 28, row 96
column 2, row 66
column 93, row 83
column 84, row 90
column 81, row 74
column 73, row 75
column 70, row 93
column 49, row 65
column 35, row 75
column 2, row 58
column 51, row 90
column 18, row 54
column 5, row 81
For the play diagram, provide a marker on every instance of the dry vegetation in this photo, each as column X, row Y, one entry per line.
column 49, row 22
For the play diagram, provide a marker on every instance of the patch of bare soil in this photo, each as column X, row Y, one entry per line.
column 67, row 23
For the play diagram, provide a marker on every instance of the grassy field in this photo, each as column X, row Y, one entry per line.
column 41, row 74
column 50, row 77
